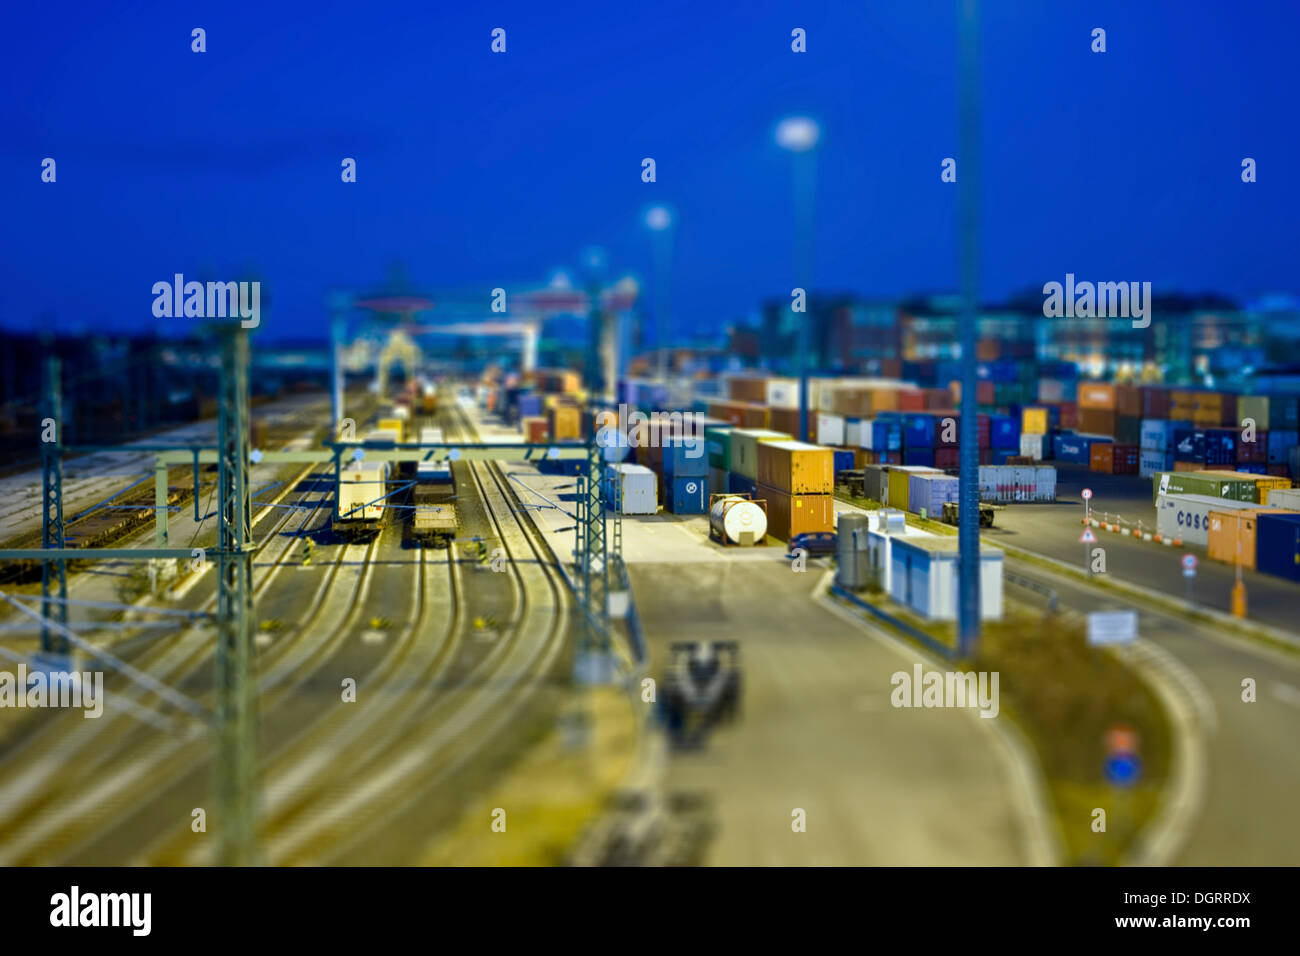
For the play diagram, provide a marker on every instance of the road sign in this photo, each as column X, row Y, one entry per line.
column 1121, row 739
column 1189, row 562
column 1122, row 770
column 1112, row 627
column 1086, row 494
column 1088, row 537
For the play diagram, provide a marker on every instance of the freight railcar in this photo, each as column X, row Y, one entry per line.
column 361, row 494
column 435, row 518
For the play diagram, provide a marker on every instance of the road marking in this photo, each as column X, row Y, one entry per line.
column 1287, row 694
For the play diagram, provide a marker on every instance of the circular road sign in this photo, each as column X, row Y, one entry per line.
column 1123, row 769
column 1189, row 562
column 1086, row 494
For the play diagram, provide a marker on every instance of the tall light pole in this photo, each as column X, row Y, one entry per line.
column 799, row 135
column 968, row 184
column 659, row 220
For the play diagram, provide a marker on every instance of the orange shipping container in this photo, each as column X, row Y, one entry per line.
column 1231, row 529
column 747, row 388
column 796, row 467
column 789, row 515
column 535, row 431
column 787, row 420
column 911, row 400
column 1097, row 421
column 1101, row 457
column 1096, row 395
column 565, row 422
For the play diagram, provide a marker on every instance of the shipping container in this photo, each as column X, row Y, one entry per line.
column 1280, row 443
column 1004, row 432
column 789, row 515
column 1288, row 498
column 1254, row 408
column 1150, row 462
column 875, row 483
column 1097, row 421
column 740, row 484
column 783, row 393
column 927, row 494
column 844, row 459
column 945, row 458
column 1031, row 446
column 1277, row 545
column 535, row 430
column 787, row 420
column 1187, row 517
column 882, row 434
column 1205, row 484
column 1269, row 485
column 744, row 448
column 796, row 467
column 565, row 422
column 637, row 485
column 1034, row 421
column 1155, row 401
column 1073, row 448
column 899, row 484
column 1158, row 434
column 1232, row 536
column 687, row 494
column 1112, row 458
column 529, row 405
column 830, row 429
column 919, row 457
column 918, row 431
column 717, row 442
column 853, row 433
column 718, row 484
column 1254, row 451
column 685, row 458
column 924, row 577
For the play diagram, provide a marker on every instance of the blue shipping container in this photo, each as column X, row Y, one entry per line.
column 919, row 456
column 1277, row 545
column 686, row 458
column 1004, row 432
column 571, row 467
column 740, row 485
column 690, row 495
column 1221, row 447
column 918, row 432
column 930, row 492
column 1074, row 449
column 843, row 460
column 886, row 434
column 1280, row 443
column 1189, row 444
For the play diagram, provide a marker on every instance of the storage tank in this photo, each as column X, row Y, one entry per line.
column 851, row 545
column 737, row 520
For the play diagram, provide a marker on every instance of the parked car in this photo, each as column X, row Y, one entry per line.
column 816, row 543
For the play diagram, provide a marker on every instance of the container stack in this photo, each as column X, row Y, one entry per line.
column 797, row 480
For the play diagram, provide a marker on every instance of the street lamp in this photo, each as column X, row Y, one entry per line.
column 659, row 220
column 799, row 136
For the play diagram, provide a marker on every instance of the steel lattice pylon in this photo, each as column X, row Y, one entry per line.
column 53, row 573
column 236, row 693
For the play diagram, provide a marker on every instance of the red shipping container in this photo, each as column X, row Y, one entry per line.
column 1255, row 451
column 1279, row 471
column 983, row 430
column 937, row 398
column 947, row 458
column 1155, row 402
column 942, row 430
column 911, row 400
column 984, row 393
column 1069, row 415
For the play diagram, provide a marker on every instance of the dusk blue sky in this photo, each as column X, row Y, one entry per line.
column 478, row 170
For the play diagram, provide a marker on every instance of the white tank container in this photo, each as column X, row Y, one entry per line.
column 737, row 520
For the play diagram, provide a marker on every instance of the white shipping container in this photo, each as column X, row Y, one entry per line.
column 1031, row 446
column 1288, row 498
column 853, row 433
column 830, row 429
column 1044, row 483
column 1188, row 516
column 1150, row 462
column 639, row 488
column 783, row 393
column 879, row 542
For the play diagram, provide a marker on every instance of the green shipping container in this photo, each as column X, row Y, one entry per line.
column 717, row 441
column 1203, row 483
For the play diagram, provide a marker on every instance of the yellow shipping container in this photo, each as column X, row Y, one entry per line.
column 1266, row 483
column 1033, row 421
column 899, row 483
column 391, row 425
column 565, row 422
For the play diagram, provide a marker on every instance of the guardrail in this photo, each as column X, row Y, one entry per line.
column 1053, row 599
column 913, row 632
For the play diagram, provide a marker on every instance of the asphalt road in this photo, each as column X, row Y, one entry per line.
column 1247, row 814
column 1054, row 530
column 881, row 786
